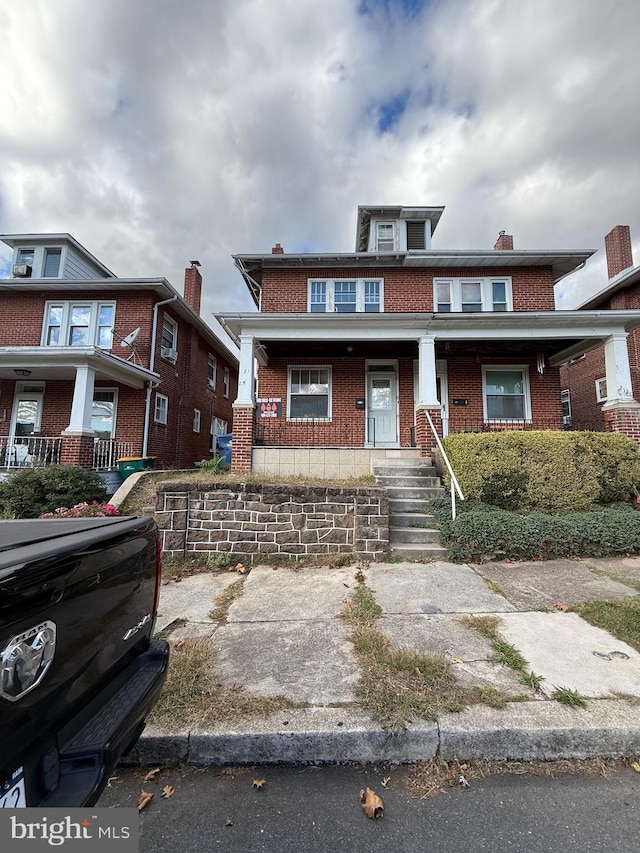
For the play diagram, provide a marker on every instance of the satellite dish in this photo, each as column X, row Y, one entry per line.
column 129, row 340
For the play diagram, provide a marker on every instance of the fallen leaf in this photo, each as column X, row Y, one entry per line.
column 240, row 568
column 228, row 822
column 385, row 781
column 151, row 775
column 145, row 799
column 462, row 781
column 258, row 784
column 636, row 766
column 168, row 791
column 371, row 803
column 179, row 644
column 458, row 660
column 563, row 608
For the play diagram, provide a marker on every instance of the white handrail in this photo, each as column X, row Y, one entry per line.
column 455, row 486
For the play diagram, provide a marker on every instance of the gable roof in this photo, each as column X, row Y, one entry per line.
column 13, row 240
column 626, row 278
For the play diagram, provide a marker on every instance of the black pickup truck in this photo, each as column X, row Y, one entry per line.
column 79, row 670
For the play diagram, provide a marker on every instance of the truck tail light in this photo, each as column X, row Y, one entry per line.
column 156, row 597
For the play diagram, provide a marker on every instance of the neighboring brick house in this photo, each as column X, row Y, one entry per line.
column 358, row 352
column 94, row 367
column 587, row 378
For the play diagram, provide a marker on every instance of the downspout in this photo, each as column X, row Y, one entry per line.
column 152, row 361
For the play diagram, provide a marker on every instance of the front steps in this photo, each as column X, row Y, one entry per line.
column 410, row 483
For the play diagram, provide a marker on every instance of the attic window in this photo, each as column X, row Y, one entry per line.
column 415, row 235
column 51, row 268
column 385, row 237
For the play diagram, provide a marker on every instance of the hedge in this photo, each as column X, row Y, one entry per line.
column 545, row 470
column 482, row 533
column 29, row 493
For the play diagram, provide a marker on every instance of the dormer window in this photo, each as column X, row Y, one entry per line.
column 25, row 258
column 51, row 265
column 385, row 241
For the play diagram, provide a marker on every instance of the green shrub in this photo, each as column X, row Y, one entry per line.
column 545, row 470
column 34, row 491
column 482, row 533
column 213, row 465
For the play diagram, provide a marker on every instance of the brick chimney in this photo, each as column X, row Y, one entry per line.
column 277, row 250
column 193, row 285
column 617, row 245
column 504, row 241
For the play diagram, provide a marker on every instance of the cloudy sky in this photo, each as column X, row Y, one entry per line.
column 158, row 131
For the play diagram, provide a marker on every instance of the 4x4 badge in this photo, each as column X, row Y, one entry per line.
column 25, row 659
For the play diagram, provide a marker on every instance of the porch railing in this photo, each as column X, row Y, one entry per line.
column 107, row 451
column 457, row 424
column 352, row 431
column 30, row 451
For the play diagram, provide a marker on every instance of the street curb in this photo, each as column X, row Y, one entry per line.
column 525, row 731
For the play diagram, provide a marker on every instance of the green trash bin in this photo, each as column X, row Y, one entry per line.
column 128, row 465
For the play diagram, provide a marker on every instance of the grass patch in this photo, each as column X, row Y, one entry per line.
column 430, row 778
column 623, row 579
column 504, row 653
column 176, row 568
column 398, row 685
column 620, row 618
column 225, row 599
column 569, row 697
column 193, row 697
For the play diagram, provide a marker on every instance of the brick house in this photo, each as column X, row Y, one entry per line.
column 587, row 377
column 94, row 367
column 360, row 353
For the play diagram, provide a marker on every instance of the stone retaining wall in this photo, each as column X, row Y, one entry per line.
column 245, row 519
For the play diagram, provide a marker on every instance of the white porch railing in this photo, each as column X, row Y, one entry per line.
column 30, row 451
column 106, row 452
column 455, row 486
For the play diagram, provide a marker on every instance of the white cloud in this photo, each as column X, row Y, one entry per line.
column 158, row 131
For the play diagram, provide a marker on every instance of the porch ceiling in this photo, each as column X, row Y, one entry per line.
column 60, row 363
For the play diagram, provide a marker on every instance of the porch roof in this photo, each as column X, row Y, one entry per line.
column 60, row 363
column 564, row 333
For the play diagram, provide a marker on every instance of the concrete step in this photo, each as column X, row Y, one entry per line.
column 408, row 480
column 398, row 505
column 398, row 493
column 412, row 519
column 420, row 552
column 414, row 535
column 408, row 466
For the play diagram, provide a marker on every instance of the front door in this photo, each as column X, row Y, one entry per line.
column 382, row 408
column 25, row 420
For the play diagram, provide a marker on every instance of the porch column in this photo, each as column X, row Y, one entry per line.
column 82, row 405
column 244, row 409
column 621, row 412
column 427, row 395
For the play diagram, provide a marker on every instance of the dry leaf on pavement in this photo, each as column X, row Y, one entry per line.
column 168, row 791
column 258, row 784
column 371, row 803
column 385, row 781
column 240, row 568
column 563, row 608
column 145, row 799
column 636, row 766
column 151, row 775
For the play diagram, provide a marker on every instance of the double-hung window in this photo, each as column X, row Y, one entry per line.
column 161, row 409
column 197, row 418
column 472, row 294
column 345, row 296
column 506, row 393
column 212, row 372
column 169, row 343
column 226, row 380
column 385, row 237
column 309, row 393
column 51, row 266
column 78, row 324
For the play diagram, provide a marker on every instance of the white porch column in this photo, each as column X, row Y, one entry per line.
column 81, row 407
column 616, row 359
column 246, row 381
column 427, row 394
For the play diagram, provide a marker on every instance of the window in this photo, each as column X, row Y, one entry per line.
column 169, row 342
column 51, row 266
column 25, row 256
column 218, row 427
column 385, row 237
column 212, row 372
column 225, row 382
column 345, row 296
column 309, row 393
column 103, row 413
column 196, row 420
column 472, row 294
column 506, row 393
column 565, row 399
column 161, row 409
column 78, row 324
column 601, row 390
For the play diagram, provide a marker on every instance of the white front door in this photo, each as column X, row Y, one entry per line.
column 382, row 408
column 25, row 420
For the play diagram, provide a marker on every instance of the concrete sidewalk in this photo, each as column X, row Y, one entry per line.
column 282, row 637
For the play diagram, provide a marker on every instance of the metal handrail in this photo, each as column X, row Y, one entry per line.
column 455, row 486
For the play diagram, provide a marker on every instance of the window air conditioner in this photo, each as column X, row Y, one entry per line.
column 212, row 383
column 22, row 270
column 169, row 353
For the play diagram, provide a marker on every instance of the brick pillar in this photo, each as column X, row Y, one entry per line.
column 243, row 428
column 504, row 241
column 77, row 450
column 617, row 245
column 623, row 418
column 425, row 441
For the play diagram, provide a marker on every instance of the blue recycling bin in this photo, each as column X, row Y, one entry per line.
column 224, row 448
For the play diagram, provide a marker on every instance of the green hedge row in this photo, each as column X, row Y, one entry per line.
column 544, row 470
column 481, row 532
column 29, row 493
